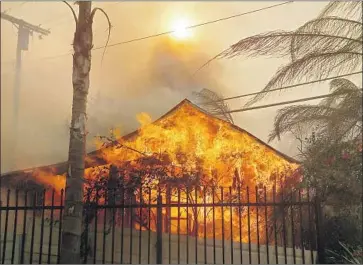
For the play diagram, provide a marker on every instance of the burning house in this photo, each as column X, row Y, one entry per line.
column 187, row 155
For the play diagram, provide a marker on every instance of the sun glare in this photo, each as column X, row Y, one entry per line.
column 180, row 29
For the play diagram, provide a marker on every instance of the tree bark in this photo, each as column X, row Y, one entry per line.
column 72, row 218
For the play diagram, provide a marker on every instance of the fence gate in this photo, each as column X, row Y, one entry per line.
column 170, row 225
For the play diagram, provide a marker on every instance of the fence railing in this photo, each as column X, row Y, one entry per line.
column 146, row 226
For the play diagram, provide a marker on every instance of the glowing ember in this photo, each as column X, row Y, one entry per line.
column 189, row 148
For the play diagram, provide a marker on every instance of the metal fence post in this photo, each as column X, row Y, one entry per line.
column 319, row 232
column 159, row 227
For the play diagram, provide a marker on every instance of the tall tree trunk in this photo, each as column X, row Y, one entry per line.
column 72, row 219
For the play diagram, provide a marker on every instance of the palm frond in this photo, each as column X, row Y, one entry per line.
column 330, row 44
column 299, row 116
column 343, row 83
column 346, row 9
column 312, row 67
column 345, row 31
column 274, row 43
column 342, row 86
column 338, row 117
column 212, row 103
column 278, row 44
column 333, row 25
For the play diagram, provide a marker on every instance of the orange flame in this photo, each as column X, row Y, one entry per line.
column 193, row 140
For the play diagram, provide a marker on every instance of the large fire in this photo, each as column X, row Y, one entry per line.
column 192, row 149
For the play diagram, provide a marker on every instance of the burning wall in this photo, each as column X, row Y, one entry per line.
column 187, row 146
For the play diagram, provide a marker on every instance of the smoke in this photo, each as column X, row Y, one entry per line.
column 149, row 77
column 168, row 78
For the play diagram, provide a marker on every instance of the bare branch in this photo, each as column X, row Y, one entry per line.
column 73, row 12
column 109, row 27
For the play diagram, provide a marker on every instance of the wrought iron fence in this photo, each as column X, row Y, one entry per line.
column 171, row 225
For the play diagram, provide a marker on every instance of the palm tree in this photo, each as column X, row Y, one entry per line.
column 213, row 103
column 72, row 217
column 338, row 117
column 328, row 45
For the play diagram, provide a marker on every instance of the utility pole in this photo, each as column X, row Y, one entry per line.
column 25, row 30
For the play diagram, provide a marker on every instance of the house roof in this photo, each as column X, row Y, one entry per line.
column 95, row 158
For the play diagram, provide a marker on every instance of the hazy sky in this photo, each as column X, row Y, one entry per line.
column 150, row 75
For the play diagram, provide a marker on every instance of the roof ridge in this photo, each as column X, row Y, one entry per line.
column 176, row 107
column 290, row 159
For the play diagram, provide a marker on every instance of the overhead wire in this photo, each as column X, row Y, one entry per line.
column 52, row 20
column 172, row 31
column 285, row 87
column 215, row 21
column 194, row 26
column 70, row 18
column 12, row 8
column 284, row 102
column 239, row 96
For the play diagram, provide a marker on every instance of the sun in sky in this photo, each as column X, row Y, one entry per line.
column 180, row 29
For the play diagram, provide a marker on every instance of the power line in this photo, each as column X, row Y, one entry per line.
column 52, row 20
column 194, row 26
column 169, row 32
column 12, row 8
column 283, row 88
column 70, row 18
column 25, row 30
column 284, row 103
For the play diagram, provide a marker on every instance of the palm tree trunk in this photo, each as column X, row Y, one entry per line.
column 72, row 219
